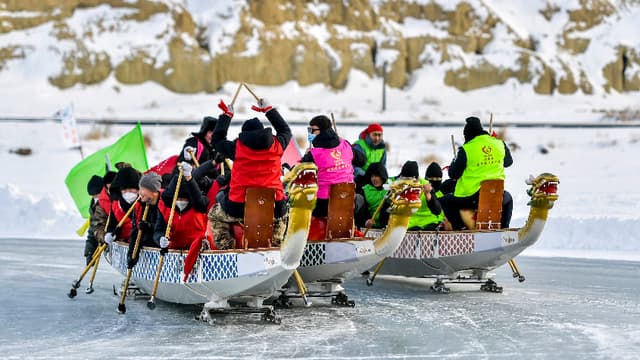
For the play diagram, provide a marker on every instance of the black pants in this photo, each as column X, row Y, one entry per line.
column 451, row 206
column 90, row 246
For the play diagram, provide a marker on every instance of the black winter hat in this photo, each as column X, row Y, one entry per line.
column 433, row 171
column 208, row 124
column 127, row 178
column 94, row 186
column 252, row 124
column 473, row 128
column 410, row 169
column 321, row 121
column 376, row 168
column 108, row 177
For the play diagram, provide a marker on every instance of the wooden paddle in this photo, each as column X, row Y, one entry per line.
column 151, row 303
column 121, row 307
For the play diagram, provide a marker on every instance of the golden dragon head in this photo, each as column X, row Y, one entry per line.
column 302, row 185
column 404, row 194
column 543, row 190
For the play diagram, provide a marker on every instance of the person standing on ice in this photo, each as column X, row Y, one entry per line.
column 334, row 157
column 94, row 187
column 257, row 155
column 372, row 146
column 481, row 157
column 150, row 189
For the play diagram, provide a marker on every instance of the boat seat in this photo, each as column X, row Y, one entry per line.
column 488, row 216
column 258, row 218
column 340, row 211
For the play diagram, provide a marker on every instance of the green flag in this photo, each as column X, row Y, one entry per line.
column 129, row 148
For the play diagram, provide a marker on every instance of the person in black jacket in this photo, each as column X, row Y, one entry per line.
column 94, row 187
column 150, row 190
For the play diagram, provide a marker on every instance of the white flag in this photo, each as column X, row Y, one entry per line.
column 69, row 130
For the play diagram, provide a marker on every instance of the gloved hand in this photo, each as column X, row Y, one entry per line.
column 132, row 262
column 109, row 237
column 223, row 180
column 145, row 226
column 263, row 106
column 186, row 154
column 219, row 159
column 164, row 242
column 186, row 169
column 226, row 109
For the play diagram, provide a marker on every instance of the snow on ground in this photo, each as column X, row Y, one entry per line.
column 596, row 216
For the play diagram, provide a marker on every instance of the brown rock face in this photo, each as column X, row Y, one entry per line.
column 317, row 42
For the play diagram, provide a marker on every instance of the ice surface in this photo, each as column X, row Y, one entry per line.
column 566, row 309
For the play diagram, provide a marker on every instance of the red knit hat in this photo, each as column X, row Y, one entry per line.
column 374, row 127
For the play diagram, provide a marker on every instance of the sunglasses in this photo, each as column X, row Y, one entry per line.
column 311, row 130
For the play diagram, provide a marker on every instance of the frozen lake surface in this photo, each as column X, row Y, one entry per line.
column 566, row 309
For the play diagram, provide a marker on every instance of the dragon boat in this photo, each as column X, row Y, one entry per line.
column 222, row 279
column 469, row 256
column 333, row 255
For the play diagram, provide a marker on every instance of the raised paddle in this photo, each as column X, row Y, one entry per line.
column 151, row 304
column 251, row 91
column 235, row 96
column 333, row 122
column 195, row 160
column 121, row 307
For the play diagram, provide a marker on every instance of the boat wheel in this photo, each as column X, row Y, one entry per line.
column 491, row 286
column 282, row 302
column 341, row 299
column 272, row 317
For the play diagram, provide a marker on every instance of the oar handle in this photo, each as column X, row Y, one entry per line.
column 251, row 91
column 194, row 158
column 173, row 204
column 375, row 213
column 453, row 146
column 235, row 96
column 491, row 124
column 333, row 122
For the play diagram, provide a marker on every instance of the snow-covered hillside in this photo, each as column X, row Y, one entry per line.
column 522, row 60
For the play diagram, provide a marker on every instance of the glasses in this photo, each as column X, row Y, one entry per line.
column 311, row 130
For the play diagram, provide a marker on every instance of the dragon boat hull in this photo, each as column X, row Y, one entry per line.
column 426, row 253
column 217, row 275
column 337, row 259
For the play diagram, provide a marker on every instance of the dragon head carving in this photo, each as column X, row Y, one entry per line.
column 405, row 196
column 302, row 185
column 543, row 190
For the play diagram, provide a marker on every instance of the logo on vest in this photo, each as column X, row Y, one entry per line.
column 338, row 163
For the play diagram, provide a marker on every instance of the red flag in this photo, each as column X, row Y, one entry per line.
column 291, row 155
column 165, row 166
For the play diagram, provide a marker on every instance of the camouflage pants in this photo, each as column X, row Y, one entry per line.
column 221, row 226
column 279, row 229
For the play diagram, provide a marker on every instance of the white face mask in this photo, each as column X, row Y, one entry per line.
column 182, row 204
column 129, row 197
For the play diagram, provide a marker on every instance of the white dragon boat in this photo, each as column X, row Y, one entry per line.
column 327, row 263
column 222, row 278
column 469, row 256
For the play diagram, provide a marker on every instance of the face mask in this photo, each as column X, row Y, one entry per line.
column 182, row 204
column 96, row 198
column 310, row 137
column 129, row 197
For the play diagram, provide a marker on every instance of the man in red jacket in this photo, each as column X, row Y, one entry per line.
column 257, row 155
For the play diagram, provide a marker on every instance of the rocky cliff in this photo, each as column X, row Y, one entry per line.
column 581, row 46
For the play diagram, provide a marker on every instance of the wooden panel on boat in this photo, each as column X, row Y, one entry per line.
column 340, row 214
column 490, row 205
column 258, row 217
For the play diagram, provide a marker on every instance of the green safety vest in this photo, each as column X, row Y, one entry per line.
column 372, row 155
column 424, row 216
column 374, row 197
column 485, row 161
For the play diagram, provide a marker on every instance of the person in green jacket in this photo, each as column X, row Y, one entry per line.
column 481, row 157
column 371, row 145
column 374, row 193
column 430, row 215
